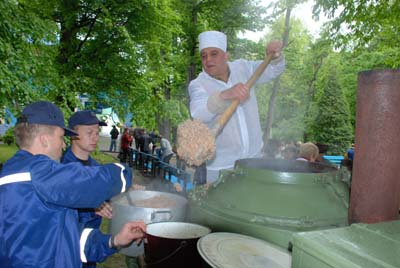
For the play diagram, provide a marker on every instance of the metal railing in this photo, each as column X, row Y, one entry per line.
column 157, row 168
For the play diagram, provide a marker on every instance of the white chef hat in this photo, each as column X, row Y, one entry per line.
column 212, row 39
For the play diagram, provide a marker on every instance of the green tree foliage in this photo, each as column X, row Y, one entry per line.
column 25, row 57
column 8, row 137
column 292, row 96
column 301, row 88
column 367, row 32
column 115, row 51
column 132, row 55
column 138, row 56
column 331, row 124
column 314, row 61
column 119, row 53
column 281, row 7
column 350, row 65
column 228, row 16
column 364, row 25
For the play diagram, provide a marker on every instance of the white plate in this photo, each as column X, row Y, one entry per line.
column 230, row 250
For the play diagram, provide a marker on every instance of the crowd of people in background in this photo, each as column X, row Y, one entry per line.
column 140, row 139
column 277, row 149
column 155, row 144
column 308, row 151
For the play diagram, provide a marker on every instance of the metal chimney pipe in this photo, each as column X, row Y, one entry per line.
column 375, row 187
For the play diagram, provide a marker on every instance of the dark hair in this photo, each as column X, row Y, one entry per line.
column 322, row 148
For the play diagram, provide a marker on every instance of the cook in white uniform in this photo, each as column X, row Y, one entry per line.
column 217, row 85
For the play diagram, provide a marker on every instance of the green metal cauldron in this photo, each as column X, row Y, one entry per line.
column 272, row 199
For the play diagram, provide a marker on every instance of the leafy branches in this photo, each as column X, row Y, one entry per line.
column 357, row 24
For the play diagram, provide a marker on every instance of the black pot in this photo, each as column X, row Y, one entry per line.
column 173, row 244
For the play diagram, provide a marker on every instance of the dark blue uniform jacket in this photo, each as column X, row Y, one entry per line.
column 39, row 198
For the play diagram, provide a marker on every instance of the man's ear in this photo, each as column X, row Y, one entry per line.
column 44, row 140
column 227, row 56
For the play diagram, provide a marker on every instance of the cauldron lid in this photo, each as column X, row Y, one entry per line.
column 230, row 250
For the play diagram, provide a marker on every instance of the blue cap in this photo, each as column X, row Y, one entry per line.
column 44, row 113
column 84, row 118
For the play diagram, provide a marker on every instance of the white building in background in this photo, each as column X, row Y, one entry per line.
column 111, row 118
column 104, row 114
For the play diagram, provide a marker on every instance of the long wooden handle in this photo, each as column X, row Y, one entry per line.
column 226, row 115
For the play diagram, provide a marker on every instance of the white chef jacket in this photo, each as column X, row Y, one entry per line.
column 242, row 136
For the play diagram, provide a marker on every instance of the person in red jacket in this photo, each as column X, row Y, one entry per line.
column 126, row 142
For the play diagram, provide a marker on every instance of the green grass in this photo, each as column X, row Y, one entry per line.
column 104, row 158
column 116, row 260
column 6, row 151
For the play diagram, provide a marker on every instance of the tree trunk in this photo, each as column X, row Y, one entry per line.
column 270, row 114
column 163, row 123
column 271, row 105
column 311, row 93
column 191, row 74
column 68, row 31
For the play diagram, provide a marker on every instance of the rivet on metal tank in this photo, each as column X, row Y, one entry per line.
column 376, row 184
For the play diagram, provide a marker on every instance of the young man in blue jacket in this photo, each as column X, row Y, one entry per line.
column 39, row 198
column 86, row 125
